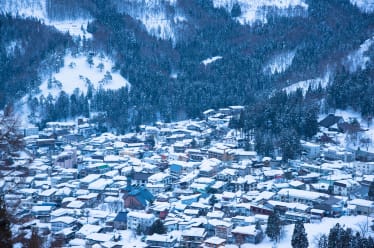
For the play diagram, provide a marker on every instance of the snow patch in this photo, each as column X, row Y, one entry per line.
column 358, row 59
column 38, row 9
column 254, row 10
column 77, row 73
column 304, row 85
column 314, row 230
column 154, row 16
column 75, row 28
column 366, row 6
column 345, row 141
column 211, row 60
column 279, row 63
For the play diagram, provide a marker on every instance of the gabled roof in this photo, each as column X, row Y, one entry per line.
column 330, row 120
column 121, row 217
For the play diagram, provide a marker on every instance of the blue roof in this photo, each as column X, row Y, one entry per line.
column 121, row 217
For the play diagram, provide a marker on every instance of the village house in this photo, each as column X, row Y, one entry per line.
column 139, row 220
column 247, row 234
column 193, row 237
column 158, row 241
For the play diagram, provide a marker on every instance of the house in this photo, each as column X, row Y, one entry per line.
column 139, row 220
column 193, row 237
column 214, row 242
column 344, row 187
column 247, row 234
column 67, row 159
column 161, row 178
column 361, row 206
column 297, row 195
column 42, row 213
column 86, row 230
column 137, row 197
column 86, row 181
column 364, row 168
column 120, row 221
column 332, row 206
column 312, row 150
column 62, row 222
column 330, row 120
column 209, row 167
column 161, row 241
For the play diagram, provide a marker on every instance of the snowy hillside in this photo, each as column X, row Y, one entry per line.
column 154, row 15
column 26, row 8
column 78, row 73
column 314, row 230
column 314, row 83
column 364, row 5
column 358, row 59
column 256, row 10
column 38, row 8
column 279, row 63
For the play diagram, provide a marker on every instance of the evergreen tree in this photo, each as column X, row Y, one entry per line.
column 335, row 236
column 236, row 10
column 273, row 228
column 5, row 232
column 157, row 227
column 299, row 236
column 322, row 241
column 371, row 191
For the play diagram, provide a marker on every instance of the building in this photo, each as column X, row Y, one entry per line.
column 247, row 234
column 361, row 206
column 161, row 241
column 193, row 237
column 62, row 222
column 139, row 220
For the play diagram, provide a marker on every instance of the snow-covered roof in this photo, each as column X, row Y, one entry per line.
column 194, row 232
column 362, row 202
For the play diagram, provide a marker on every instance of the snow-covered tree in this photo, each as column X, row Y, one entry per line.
column 299, row 236
column 273, row 228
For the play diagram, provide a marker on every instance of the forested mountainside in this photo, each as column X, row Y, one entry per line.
column 184, row 56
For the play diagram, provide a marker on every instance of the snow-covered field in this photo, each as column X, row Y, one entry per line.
column 251, row 10
column 314, row 230
column 77, row 72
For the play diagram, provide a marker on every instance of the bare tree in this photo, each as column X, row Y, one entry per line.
column 363, row 226
column 11, row 139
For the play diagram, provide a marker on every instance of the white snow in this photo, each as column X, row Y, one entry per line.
column 75, row 27
column 314, row 83
column 366, row 6
column 345, row 141
column 153, row 15
column 358, row 59
column 314, row 230
column 25, row 8
column 253, row 10
column 75, row 73
column 279, row 63
column 38, row 9
column 211, row 60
